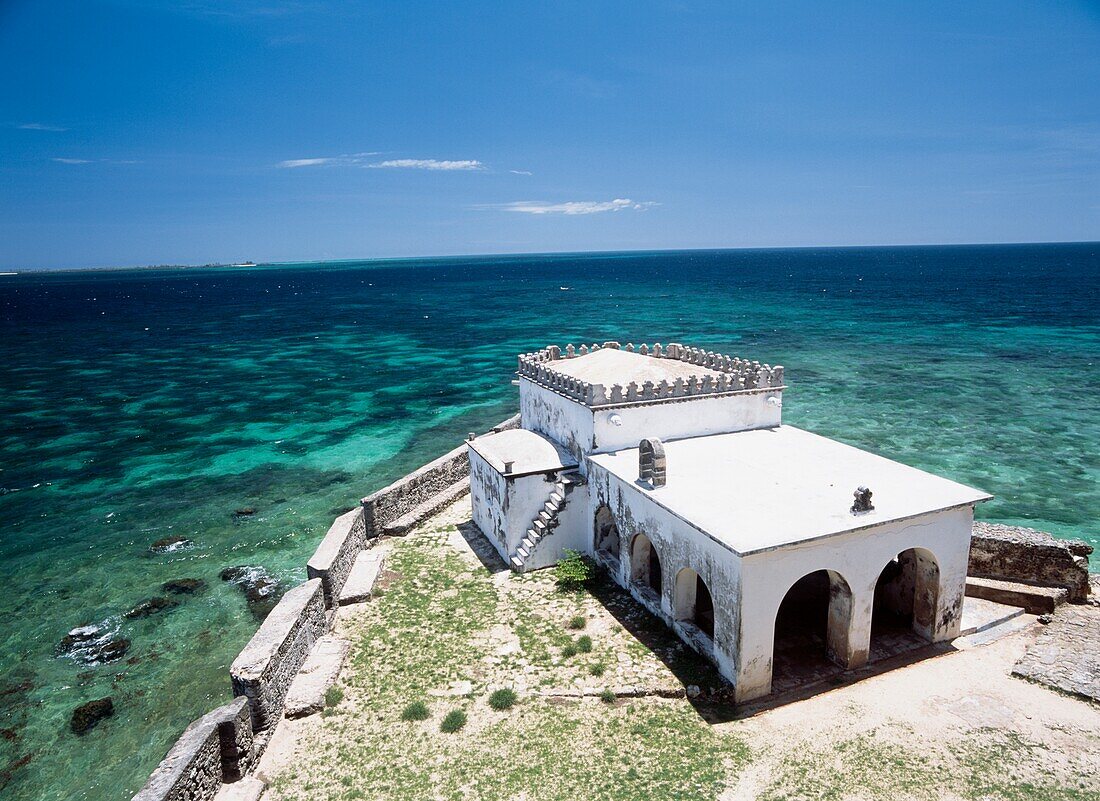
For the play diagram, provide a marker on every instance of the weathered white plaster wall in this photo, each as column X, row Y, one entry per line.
column 678, row 546
column 571, row 532
column 859, row 557
column 691, row 417
column 489, row 501
column 504, row 507
column 563, row 420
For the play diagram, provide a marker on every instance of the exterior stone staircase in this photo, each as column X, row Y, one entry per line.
column 546, row 520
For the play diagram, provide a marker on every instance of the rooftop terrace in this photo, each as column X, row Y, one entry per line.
column 608, row 374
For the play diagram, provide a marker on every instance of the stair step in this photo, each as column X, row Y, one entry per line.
column 1036, row 600
column 517, row 564
column 538, row 525
column 523, row 552
column 557, row 497
column 545, row 516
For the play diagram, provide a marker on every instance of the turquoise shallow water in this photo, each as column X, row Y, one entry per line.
column 142, row 404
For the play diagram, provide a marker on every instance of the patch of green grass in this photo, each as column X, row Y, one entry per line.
column 569, row 651
column 333, row 696
column 577, row 622
column 597, row 669
column 503, row 699
column 454, row 721
column 584, row 644
column 417, row 710
column 607, row 697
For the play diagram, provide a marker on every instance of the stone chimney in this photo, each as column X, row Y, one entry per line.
column 651, row 462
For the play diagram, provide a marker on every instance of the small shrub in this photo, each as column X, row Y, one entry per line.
column 417, row 710
column 574, row 571
column 569, row 651
column 584, row 644
column 454, row 721
column 607, row 697
column 597, row 669
column 577, row 622
column 502, row 699
column 333, row 696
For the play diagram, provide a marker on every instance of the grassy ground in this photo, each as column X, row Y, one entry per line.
column 448, row 630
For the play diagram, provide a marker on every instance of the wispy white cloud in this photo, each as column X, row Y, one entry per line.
column 40, row 126
column 292, row 163
column 573, row 207
column 520, row 172
column 428, row 164
column 60, row 160
column 367, row 161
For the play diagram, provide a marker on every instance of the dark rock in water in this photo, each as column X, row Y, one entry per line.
column 9, row 734
column 184, row 586
column 246, row 511
column 77, row 638
column 260, row 588
column 170, row 544
column 150, row 606
column 93, row 645
column 87, row 716
column 235, row 573
column 115, row 649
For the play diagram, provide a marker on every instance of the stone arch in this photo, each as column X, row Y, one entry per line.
column 907, row 595
column 692, row 601
column 606, row 539
column 645, row 564
column 812, row 626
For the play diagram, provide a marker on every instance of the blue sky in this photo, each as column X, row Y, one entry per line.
column 158, row 132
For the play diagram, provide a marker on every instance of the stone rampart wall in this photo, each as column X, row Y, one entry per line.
column 407, row 500
column 214, row 749
column 265, row 668
column 335, row 556
column 1013, row 553
column 223, row 745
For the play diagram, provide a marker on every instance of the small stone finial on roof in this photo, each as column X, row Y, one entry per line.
column 862, row 501
column 651, row 462
column 508, row 467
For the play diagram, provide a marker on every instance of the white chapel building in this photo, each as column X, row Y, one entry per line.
column 671, row 467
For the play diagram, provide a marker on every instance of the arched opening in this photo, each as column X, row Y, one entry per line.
column 811, row 629
column 693, row 602
column 645, row 565
column 906, row 600
column 606, row 535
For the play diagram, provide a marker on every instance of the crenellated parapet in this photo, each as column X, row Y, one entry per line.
column 733, row 374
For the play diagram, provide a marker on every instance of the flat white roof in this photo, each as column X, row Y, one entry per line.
column 764, row 489
column 529, row 452
column 609, row 366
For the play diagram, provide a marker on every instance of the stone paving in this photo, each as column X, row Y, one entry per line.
column 1066, row 655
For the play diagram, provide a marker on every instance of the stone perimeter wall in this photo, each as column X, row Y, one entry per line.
column 215, row 748
column 223, row 745
column 1013, row 553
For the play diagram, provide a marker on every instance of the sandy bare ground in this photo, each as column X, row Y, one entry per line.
column 956, row 725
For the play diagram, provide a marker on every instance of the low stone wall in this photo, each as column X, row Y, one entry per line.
column 1013, row 553
column 224, row 744
column 407, row 499
column 265, row 668
column 214, row 749
column 335, row 556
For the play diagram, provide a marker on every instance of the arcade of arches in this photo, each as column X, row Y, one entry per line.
column 814, row 621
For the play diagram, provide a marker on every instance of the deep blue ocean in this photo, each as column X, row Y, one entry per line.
column 136, row 405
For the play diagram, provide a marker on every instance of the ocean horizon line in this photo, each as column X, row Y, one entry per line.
column 391, row 260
